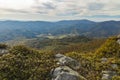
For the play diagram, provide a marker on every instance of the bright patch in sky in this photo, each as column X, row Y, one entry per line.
column 16, row 4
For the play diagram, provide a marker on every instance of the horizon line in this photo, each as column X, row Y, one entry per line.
column 55, row 20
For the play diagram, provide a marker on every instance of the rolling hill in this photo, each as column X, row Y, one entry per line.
column 10, row 30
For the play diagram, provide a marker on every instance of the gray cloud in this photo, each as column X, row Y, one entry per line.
column 42, row 12
column 49, row 5
column 69, row 13
column 14, row 10
column 96, row 6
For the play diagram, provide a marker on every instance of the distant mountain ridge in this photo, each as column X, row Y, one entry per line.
column 29, row 29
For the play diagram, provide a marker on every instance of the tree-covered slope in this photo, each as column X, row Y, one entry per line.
column 10, row 30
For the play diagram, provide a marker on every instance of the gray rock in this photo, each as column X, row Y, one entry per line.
column 66, row 73
column 67, row 76
column 103, row 60
column 3, row 51
column 114, row 66
column 58, row 56
column 67, row 69
column 107, row 75
column 67, row 61
column 57, row 71
column 118, row 41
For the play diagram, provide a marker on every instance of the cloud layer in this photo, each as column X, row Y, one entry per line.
column 59, row 9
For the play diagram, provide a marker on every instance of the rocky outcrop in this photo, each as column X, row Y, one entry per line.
column 108, row 74
column 67, row 69
column 67, row 61
column 65, row 73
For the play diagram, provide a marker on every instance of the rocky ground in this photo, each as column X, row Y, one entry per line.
column 67, row 69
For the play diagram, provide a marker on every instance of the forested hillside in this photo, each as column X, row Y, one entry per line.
column 10, row 30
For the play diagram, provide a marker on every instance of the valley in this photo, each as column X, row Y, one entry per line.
column 10, row 30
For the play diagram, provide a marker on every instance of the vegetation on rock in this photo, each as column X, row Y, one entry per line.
column 23, row 63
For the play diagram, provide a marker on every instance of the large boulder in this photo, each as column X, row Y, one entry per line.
column 67, row 61
column 67, row 76
column 67, row 69
column 66, row 73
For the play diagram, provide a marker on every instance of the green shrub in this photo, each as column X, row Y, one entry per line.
column 116, row 78
column 23, row 63
column 109, row 49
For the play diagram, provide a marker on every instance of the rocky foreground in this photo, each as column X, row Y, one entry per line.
column 67, row 69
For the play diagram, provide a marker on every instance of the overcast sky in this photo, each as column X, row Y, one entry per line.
column 52, row 10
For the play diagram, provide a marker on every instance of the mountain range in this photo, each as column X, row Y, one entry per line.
column 10, row 30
